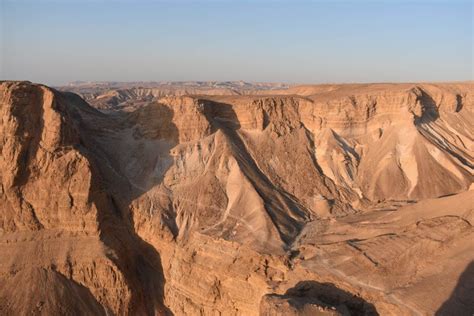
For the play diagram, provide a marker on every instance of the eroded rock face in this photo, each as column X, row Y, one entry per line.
column 328, row 200
column 313, row 298
column 58, row 225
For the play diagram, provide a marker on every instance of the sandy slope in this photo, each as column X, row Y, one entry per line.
column 329, row 199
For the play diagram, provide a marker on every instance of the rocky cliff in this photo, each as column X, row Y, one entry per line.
column 341, row 199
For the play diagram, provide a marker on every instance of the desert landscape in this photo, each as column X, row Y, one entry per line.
column 234, row 198
column 236, row 158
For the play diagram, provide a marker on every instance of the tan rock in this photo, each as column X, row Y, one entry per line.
column 330, row 200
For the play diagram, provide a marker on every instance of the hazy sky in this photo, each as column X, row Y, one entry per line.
column 55, row 42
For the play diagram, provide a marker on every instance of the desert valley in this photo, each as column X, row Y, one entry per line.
column 235, row 198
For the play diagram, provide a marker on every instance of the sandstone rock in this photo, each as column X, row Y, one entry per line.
column 330, row 200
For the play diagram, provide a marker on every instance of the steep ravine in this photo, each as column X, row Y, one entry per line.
column 236, row 205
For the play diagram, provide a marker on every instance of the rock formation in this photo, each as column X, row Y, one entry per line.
column 312, row 200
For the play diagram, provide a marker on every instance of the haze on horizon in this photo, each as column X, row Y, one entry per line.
column 55, row 42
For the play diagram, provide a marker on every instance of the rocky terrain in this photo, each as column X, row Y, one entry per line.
column 305, row 200
column 128, row 96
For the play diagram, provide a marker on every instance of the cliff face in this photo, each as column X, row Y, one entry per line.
column 227, row 204
column 60, row 231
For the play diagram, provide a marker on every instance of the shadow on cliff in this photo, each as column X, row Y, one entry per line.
column 312, row 292
column 461, row 301
column 112, row 194
column 429, row 109
column 286, row 213
column 430, row 113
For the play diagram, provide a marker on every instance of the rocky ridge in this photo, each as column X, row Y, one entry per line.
column 291, row 201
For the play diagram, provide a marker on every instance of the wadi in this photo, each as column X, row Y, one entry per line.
column 233, row 198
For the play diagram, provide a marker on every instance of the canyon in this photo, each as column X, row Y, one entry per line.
column 237, row 199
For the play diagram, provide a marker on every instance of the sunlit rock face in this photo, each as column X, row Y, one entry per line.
column 330, row 200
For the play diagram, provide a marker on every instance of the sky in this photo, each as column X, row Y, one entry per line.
column 55, row 42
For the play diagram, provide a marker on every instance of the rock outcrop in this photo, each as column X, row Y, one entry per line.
column 288, row 202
